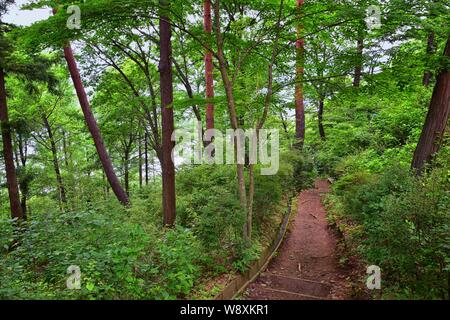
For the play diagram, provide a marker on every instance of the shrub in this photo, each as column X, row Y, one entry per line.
column 405, row 227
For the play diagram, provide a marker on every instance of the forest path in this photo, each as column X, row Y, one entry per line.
column 306, row 267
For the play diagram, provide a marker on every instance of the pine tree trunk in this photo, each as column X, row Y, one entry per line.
column 436, row 120
column 93, row 127
column 166, row 87
column 11, row 178
column 209, row 67
column 299, row 102
column 59, row 180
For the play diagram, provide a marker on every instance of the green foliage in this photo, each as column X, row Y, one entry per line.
column 208, row 203
column 405, row 228
column 102, row 244
column 178, row 254
column 371, row 133
column 248, row 256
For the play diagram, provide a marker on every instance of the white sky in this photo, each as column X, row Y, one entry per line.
column 25, row 17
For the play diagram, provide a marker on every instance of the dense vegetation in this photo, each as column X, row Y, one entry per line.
column 366, row 105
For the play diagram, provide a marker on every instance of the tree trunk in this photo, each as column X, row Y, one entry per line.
column 140, row 160
column 231, row 107
column 59, row 180
column 127, row 171
column 251, row 196
column 24, row 182
column 146, row 156
column 431, row 49
column 65, row 148
column 209, row 67
column 320, row 117
column 93, row 128
column 11, row 178
column 92, row 125
column 166, row 87
column 299, row 102
column 359, row 62
column 436, row 120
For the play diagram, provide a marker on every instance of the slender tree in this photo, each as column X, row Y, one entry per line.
column 54, row 150
column 431, row 49
column 166, row 87
column 299, row 102
column 140, row 159
column 92, row 126
column 8, row 155
column 359, row 61
column 320, row 119
column 437, row 118
column 209, row 67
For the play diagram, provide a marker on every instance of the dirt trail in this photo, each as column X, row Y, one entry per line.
column 306, row 267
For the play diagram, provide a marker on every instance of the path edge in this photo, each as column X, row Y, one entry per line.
column 238, row 285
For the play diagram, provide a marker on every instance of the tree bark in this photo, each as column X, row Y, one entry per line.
column 320, row 117
column 140, row 159
column 359, row 62
column 166, row 87
column 65, row 148
column 251, row 196
column 24, row 185
column 436, row 120
column 11, row 178
column 146, row 157
column 127, row 172
column 93, row 128
column 231, row 108
column 59, row 180
column 209, row 67
column 299, row 101
column 91, row 123
column 431, row 49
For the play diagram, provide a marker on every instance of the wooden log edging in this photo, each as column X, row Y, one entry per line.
column 238, row 285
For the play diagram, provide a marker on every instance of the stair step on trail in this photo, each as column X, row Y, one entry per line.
column 274, row 294
column 295, row 285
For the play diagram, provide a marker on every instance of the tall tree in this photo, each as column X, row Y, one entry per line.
column 208, row 66
column 431, row 49
column 166, row 87
column 8, row 154
column 437, row 118
column 92, row 126
column 299, row 102
column 359, row 60
column 54, row 150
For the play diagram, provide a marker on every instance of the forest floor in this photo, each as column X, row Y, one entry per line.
column 307, row 264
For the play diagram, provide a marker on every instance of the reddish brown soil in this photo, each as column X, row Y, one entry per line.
column 306, row 266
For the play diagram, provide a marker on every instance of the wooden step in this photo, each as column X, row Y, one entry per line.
column 295, row 285
column 260, row 293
